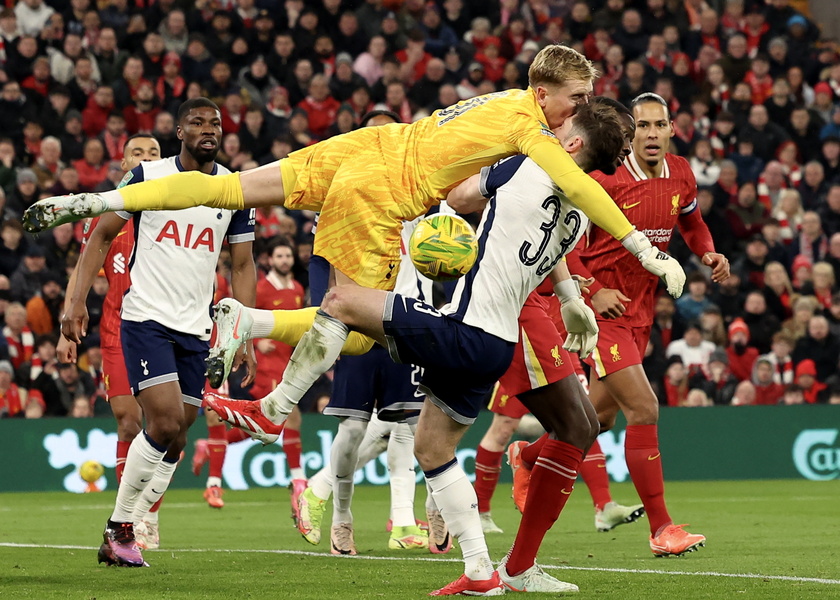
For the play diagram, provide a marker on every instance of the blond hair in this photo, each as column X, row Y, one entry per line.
column 824, row 268
column 556, row 64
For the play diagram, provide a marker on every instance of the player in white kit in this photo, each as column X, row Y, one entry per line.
column 468, row 344
column 166, row 321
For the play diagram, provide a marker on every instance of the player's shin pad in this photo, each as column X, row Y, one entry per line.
column 657, row 262
column 185, row 190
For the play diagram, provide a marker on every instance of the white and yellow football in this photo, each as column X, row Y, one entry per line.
column 443, row 247
column 91, row 471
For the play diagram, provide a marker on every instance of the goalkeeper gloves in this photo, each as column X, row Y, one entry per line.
column 657, row 262
column 581, row 328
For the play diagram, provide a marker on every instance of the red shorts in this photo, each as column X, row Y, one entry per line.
column 619, row 346
column 506, row 405
column 116, row 377
column 539, row 358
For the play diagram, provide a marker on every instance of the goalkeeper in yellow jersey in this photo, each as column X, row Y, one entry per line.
column 365, row 184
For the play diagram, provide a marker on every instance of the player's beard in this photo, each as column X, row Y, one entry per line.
column 204, row 155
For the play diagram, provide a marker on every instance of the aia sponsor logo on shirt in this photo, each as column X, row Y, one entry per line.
column 188, row 238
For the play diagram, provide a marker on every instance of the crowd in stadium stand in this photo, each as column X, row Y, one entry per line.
column 753, row 87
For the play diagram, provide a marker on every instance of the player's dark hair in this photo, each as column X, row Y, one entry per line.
column 379, row 113
column 603, row 135
column 278, row 241
column 650, row 97
column 192, row 103
column 137, row 136
column 618, row 106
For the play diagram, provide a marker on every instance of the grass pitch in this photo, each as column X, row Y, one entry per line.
column 766, row 540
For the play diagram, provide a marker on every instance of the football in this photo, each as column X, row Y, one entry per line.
column 91, row 471
column 443, row 247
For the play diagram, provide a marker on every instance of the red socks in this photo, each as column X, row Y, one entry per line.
column 488, row 467
column 593, row 471
column 122, row 452
column 234, row 434
column 552, row 480
column 292, row 448
column 641, row 450
column 530, row 452
column 216, row 448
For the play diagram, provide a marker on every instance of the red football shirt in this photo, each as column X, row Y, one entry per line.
column 653, row 207
column 119, row 280
column 271, row 295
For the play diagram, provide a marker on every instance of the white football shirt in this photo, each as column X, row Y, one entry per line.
column 173, row 266
column 527, row 226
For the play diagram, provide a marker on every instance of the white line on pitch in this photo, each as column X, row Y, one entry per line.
column 456, row 560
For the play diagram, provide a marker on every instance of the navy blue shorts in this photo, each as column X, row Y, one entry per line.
column 461, row 363
column 319, row 279
column 373, row 381
column 155, row 354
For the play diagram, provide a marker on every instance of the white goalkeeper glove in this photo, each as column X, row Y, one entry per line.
column 657, row 262
column 581, row 327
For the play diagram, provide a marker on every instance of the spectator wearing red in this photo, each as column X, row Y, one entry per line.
column 320, row 106
column 759, row 79
column 740, row 354
column 95, row 114
column 494, row 64
column 12, row 398
column 233, row 113
column 512, row 38
column 708, row 34
column 39, row 83
column 756, row 29
column 597, row 43
column 92, row 167
column 813, row 390
column 171, row 88
column 788, row 156
column 19, row 338
column 676, row 382
column 115, row 136
column 413, row 58
column 140, row 115
column 767, row 391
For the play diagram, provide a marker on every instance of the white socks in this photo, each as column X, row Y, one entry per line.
column 455, row 498
column 344, row 460
column 154, row 489
column 403, row 477
column 315, row 353
column 263, row 323
column 140, row 467
column 112, row 200
column 321, row 482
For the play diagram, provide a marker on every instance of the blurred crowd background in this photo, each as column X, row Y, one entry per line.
column 753, row 87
